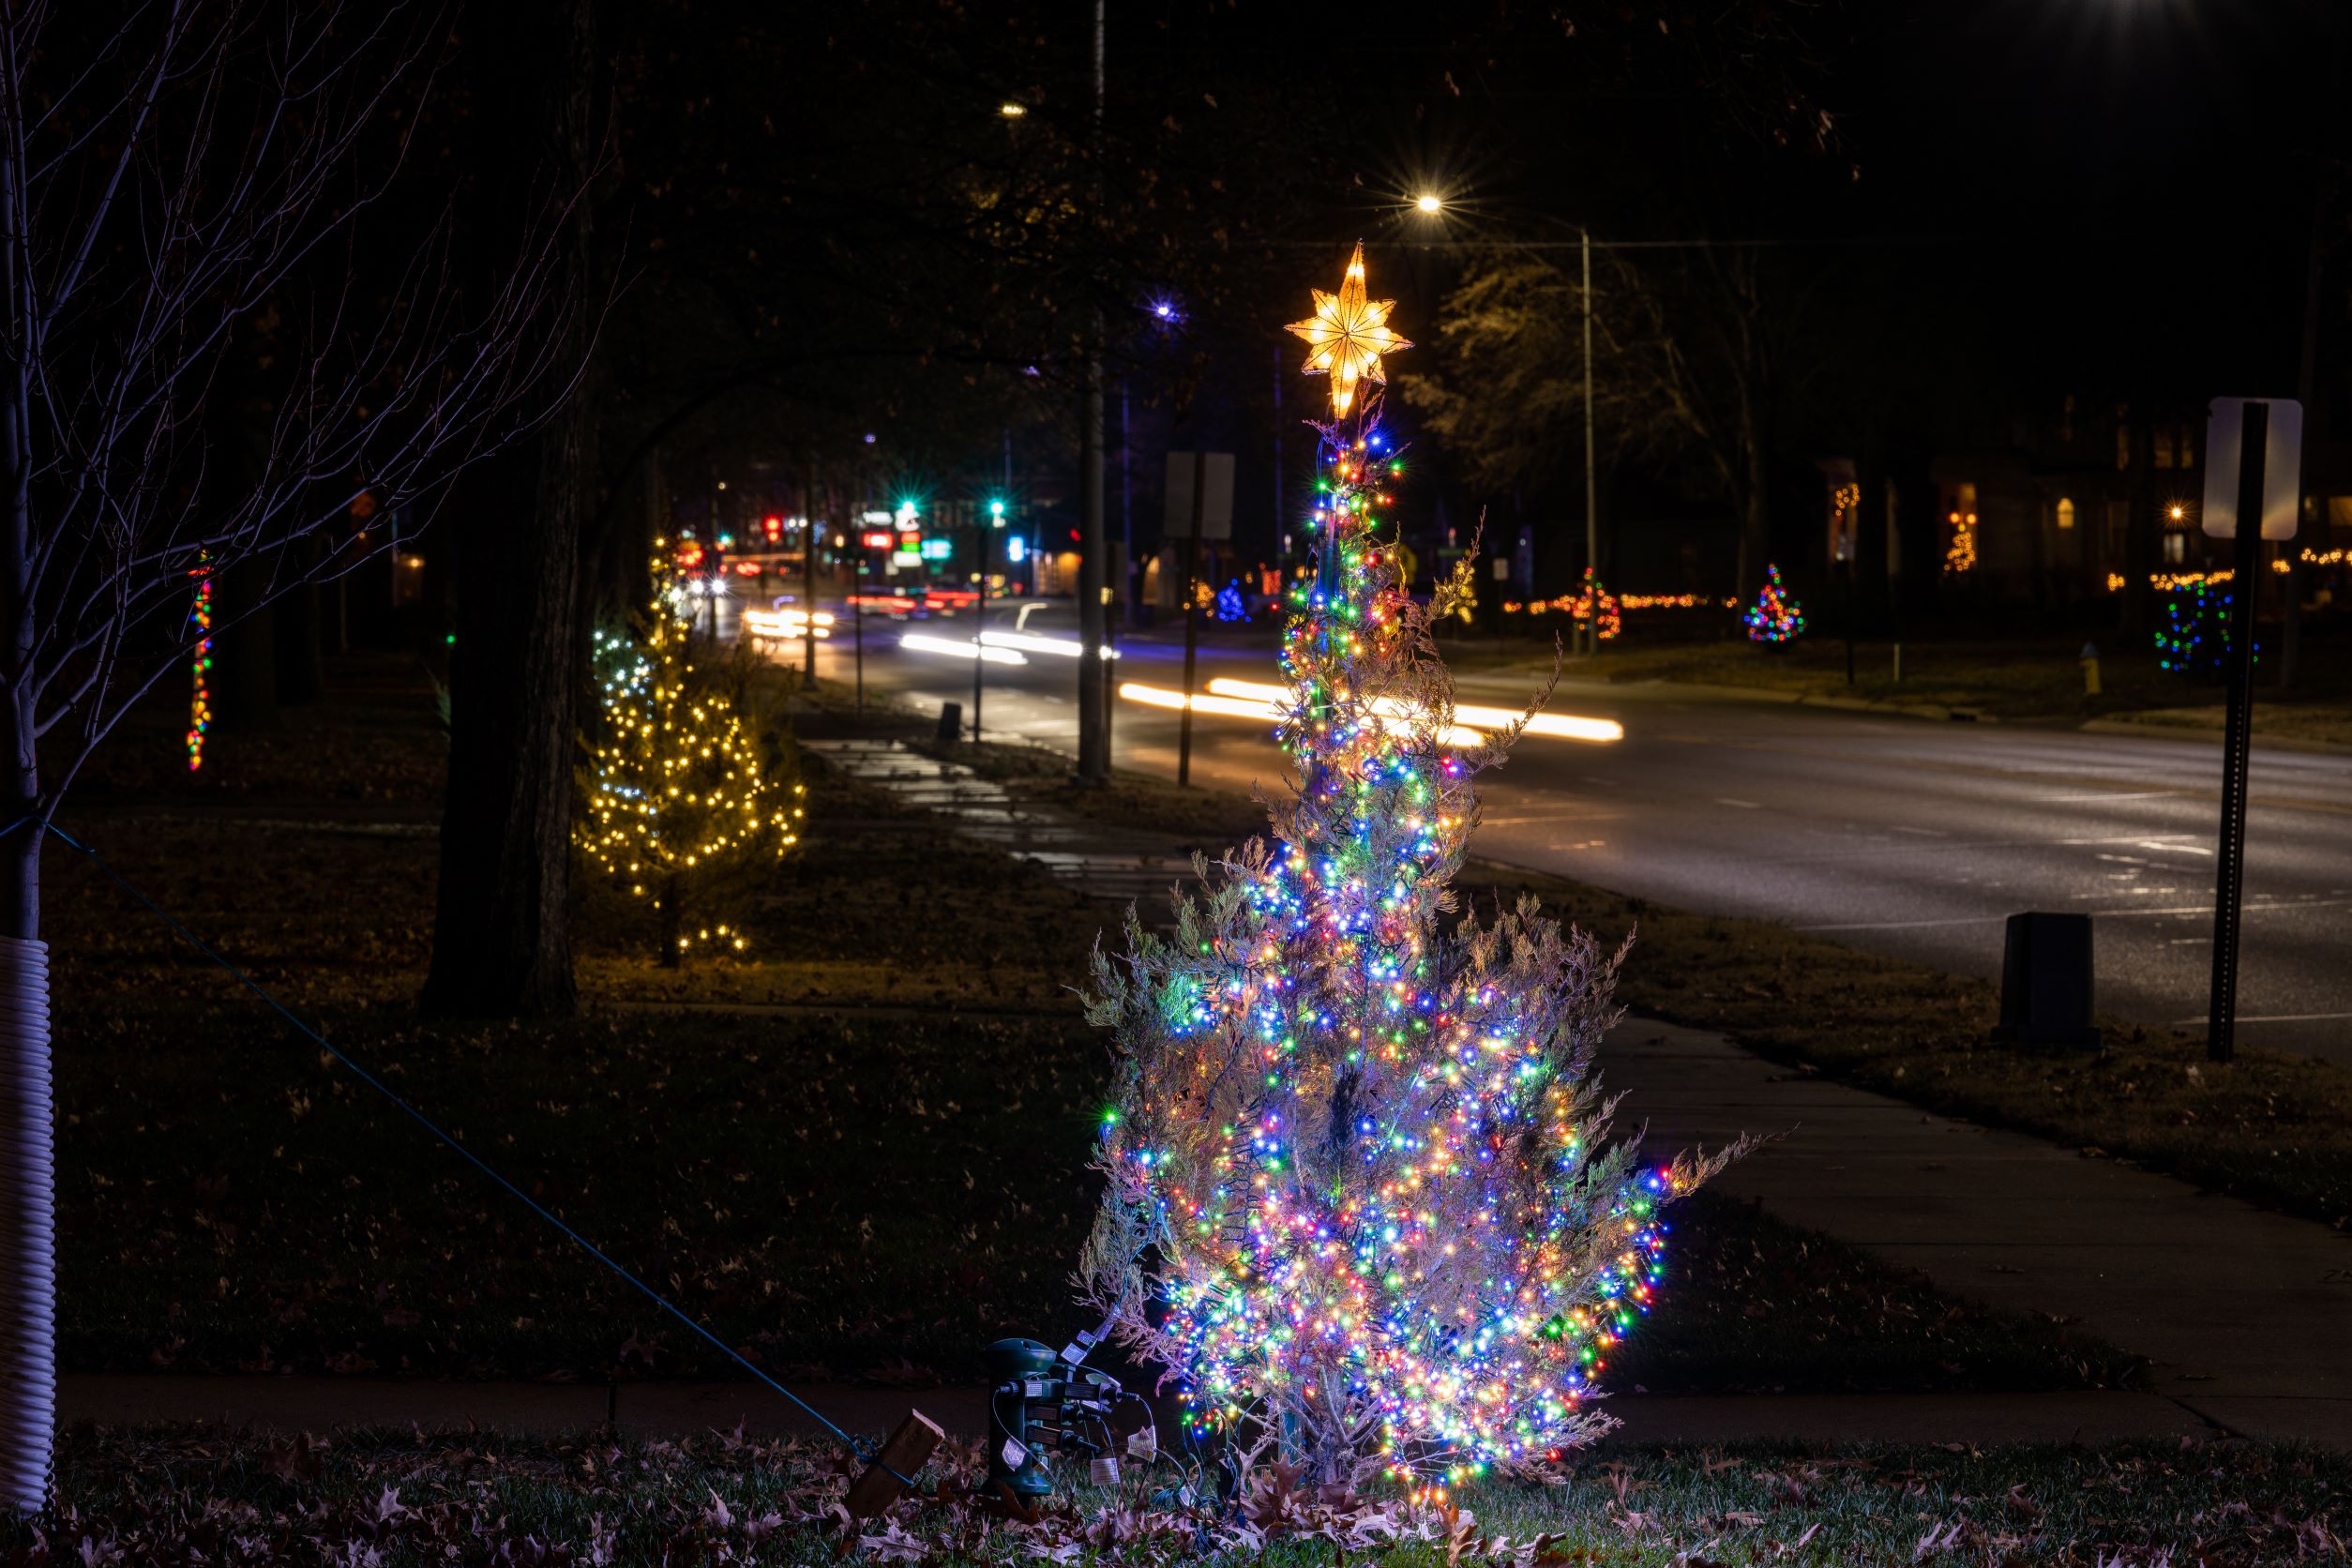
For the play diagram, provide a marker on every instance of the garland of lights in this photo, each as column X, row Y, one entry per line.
column 1359, row 1146
column 679, row 792
column 200, row 671
column 1775, row 619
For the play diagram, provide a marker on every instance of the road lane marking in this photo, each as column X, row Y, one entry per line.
column 1924, row 832
column 1742, row 804
column 2106, row 795
column 2273, row 1017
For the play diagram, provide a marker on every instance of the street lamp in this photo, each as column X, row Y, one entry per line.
column 1430, row 202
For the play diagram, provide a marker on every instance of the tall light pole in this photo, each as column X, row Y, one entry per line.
column 1431, row 204
column 1094, row 753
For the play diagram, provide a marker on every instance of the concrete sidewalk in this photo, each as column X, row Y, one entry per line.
column 2244, row 1313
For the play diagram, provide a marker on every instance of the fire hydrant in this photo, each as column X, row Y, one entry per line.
column 2090, row 670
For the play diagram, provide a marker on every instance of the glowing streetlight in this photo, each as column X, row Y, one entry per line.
column 1012, row 111
column 1430, row 202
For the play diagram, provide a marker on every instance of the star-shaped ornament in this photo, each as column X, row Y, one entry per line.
column 1348, row 336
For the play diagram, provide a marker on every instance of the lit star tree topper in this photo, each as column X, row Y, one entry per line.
column 1360, row 1198
column 1347, row 336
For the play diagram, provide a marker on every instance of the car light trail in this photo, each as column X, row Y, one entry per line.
column 1566, row 727
column 1250, row 700
column 1231, row 707
column 1030, row 641
column 1469, row 720
column 923, row 643
column 785, row 624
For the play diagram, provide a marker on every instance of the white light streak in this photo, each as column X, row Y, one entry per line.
column 1060, row 647
column 923, row 643
column 1468, row 719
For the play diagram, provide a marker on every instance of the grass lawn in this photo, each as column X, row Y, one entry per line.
column 2270, row 1127
column 858, row 1152
column 2012, row 678
column 412, row 1498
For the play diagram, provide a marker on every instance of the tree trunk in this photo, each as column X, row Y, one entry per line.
column 2140, row 531
column 28, row 1159
column 501, row 937
column 300, row 634
column 244, row 651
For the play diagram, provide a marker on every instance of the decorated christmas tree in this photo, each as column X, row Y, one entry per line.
column 687, row 806
column 1595, row 605
column 1775, row 619
column 1361, row 1201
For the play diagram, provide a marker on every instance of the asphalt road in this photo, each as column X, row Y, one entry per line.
column 1889, row 834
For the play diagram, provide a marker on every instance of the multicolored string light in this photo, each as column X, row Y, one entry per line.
column 2195, row 637
column 1775, row 618
column 1364, row 1149
column 1596, row 604
column 200, row 669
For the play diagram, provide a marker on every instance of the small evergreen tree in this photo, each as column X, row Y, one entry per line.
column 1775, row 619
column 1361, row 1199
column 686, row 804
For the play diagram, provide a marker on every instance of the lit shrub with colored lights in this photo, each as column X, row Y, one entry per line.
column 1362, row 1198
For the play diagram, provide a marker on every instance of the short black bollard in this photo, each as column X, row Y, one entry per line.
column 2046, row 982
column 951, row 721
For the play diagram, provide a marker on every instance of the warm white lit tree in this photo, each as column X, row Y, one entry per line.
column 687, row 806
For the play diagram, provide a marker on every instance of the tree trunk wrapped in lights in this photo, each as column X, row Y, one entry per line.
column 686, row 804
column 1360, row 1199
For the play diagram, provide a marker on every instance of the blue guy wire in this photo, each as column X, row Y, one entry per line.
column 863, row 1448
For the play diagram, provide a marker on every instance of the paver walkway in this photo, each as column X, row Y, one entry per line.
column 2246, row 1315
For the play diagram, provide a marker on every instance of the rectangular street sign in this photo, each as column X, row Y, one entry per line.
column 1217, row 510
column 2282, row 466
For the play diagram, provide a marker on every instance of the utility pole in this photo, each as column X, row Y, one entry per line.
column 1592, row 480
column 1282, row 525
column 1126, row 502
column 1093, row 756
column 808, row 577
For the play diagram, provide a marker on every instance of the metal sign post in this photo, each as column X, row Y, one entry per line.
column 1200, row 491
column 980, row 624
column 1192, row 617
column 2258, row 444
